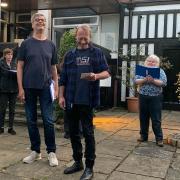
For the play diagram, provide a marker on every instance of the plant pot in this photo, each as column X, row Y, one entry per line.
column 133, row 104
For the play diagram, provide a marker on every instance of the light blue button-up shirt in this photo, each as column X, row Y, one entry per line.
column 151, row 89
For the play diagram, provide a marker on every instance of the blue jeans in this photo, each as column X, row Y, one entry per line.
column 46, row 106
column 150, row 107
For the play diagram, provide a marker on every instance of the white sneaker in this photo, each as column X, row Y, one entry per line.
column 34, row 156
column 52, row 159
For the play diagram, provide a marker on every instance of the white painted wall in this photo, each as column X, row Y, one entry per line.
column 150, row 49
column 110, row 31
column 178, row 24
column 126, row 27
column 143, row 26
column 134, row 27
column 160, row 25
column 156, row 8
column 151, row 26
column 170, row 25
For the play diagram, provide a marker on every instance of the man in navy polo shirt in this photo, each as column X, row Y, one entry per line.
column 83, row 67
column 36, row 69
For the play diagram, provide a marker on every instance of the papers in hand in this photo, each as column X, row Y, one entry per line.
column 145, row 71
column 85, row 75
column 13, row 71
column 52, row 91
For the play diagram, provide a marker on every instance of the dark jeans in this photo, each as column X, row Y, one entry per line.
column 150, row 107
column 66, row 125
column 46, row 105
column 84, row 114
column 7, row 99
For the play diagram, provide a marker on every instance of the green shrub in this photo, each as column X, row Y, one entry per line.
column 67, row 42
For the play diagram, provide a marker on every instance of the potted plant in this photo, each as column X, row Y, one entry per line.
column 130, row 59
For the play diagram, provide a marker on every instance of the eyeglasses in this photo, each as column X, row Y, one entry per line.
column 38, row 20
column 83, row 38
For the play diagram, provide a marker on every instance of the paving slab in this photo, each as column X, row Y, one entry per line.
column 154, row 152
column 143, row 165
column 127, row 176
column 113, row 148
column 152, row 144
column 105, row 164
column 173, row 174
column 64, row 153
column 11, row 177
column 37, row 170
column 10, row 157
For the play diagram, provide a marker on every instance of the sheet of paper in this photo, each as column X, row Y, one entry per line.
column 84, row 75
column 52, row 90
column 13, row 71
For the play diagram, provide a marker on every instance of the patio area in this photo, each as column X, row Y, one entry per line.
column 119, row 155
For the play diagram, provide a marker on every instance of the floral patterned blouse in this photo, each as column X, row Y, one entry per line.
column 150, row 89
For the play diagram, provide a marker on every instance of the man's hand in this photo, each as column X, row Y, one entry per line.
column 21, row 95
column 62, row 103
column 91, row 77
column 56, row 92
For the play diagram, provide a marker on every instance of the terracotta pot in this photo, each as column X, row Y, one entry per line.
column 133, row 104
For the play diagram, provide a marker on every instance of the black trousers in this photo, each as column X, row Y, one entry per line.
column 150, row 107
column 7, row 99
column 66, row 125
column 84, row 114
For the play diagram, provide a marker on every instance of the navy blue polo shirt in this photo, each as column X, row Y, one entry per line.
column 38, row 57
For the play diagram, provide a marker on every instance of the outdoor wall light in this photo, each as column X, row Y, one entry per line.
column 4, row 4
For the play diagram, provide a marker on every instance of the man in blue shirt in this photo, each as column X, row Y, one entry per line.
column 83, row 67
column 36, row 69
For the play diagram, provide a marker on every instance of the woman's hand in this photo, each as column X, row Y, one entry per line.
column 150, row 79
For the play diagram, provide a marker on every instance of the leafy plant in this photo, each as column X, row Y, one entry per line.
column 178, row 86
column 67, row 42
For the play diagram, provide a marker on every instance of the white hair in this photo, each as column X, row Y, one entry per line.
column 37, row 15
column 85, row 27
column 153, row 56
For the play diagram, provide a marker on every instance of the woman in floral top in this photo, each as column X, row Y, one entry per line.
column 150, row 101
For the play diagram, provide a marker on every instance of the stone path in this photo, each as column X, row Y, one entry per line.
column 119, row 155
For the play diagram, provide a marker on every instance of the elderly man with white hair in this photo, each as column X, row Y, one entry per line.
column 150, row 101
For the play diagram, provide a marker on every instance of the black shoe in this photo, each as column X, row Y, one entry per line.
column 66, row 136
column 142, row 139
column 1, row 130
column 11, row 131
column 87, row 175
column 159, row 143
column 77, row 166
